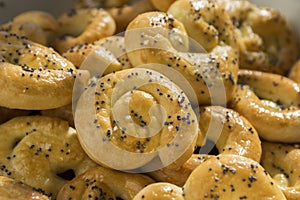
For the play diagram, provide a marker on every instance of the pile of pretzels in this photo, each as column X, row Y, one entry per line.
column 77, row 91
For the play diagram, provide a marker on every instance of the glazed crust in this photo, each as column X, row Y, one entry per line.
column 11, row 189
column 160, row 191
column 231, row 177
column 38, row 26
column 122, row 110
column 266, row 40
column 33, row 77
column 45, row 148
column 282, row 163
column 278, row 119
column 105, row 183
column 80, row 26
column 205, row 72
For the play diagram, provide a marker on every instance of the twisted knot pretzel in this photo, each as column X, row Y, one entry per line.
column 219, row 177
column 32, row 76
column 37, row 26
column 12, row 189
column 282, row 162
column 80, row 26
column 162, row 39
column 36, row 149
column 104, row 183
column 231, row 133
column 142, row 113
column 271, row 103
column 266, row 41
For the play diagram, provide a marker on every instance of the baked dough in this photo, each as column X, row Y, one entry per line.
column 32, row 76
column 271, row 104
column 282, row 162
column 37, row 26
column 103, row 183
column 79, row 26
column 11, row 189
column 36, row 149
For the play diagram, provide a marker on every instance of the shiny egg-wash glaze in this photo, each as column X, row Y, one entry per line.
column 37, row 26
column 16, row 190
column 45, row 148
column 199, row 69
column 271, row 103
column 32, row 76
column 266, row 40
column 282, row 163
column 104, row 183
column 237, row 136
column 83, row 26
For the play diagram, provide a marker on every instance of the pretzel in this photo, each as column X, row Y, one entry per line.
column 124, row 15
column 294, row 74
column 112, row 49
column 232, row 134
column 80, row 26
column 33, row 77
column 277, row 118
column 123, row 11
column 282, row 163
column 12, row 189
column 179, row 175
column 139, row 115
column 226, row 176
column 230, row 177
column 206, row 22
column 160, row 191
column 37, row 26
column 158, row 38
column 38, row 150
column 103, row 183
column 267, row 42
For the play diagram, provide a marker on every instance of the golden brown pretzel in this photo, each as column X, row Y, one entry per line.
column 11, row 189
column 139, row 111
column 231, row 132
column 37, row 26
column 267, row 42
column 294, row 74
column 206, row 22
column 112, row 49
column 160, row 191
column 228, row 176
column 32, row 76
column 36, row 149
column 219, row 177
column 124, row 15
column 80, row 26
column 104, row 183
column 162, row 39
column 282, row 163
column 278, row 117
column 178, row 176
column 236, row 136
column 121, row 14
